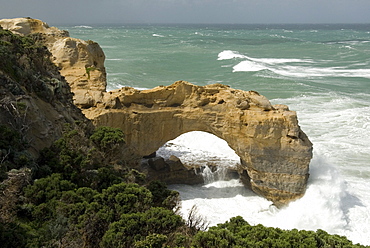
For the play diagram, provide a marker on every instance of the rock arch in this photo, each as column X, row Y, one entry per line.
column 275, row 152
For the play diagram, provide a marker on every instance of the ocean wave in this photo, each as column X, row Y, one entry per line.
column 228, row 54
column 117, row 73
column 328, row 204
column 311, row 72
column 108, row 47
column 351, row 42
column 249, row 66
column 157, row 35
column 291, row 67
column 82, row 26
column 336, row 124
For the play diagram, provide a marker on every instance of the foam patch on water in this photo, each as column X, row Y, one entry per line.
column 249, row 66
column 291, row 67
column 326, row 205
column 338, row 126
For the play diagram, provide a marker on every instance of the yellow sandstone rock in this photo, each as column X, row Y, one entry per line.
column 274, row 151
column 80, row 62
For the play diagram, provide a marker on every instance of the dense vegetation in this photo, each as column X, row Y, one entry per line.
column 71, row 197
column 83, row 192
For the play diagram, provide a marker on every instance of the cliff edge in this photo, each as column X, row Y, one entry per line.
column 80, row 62
column 35, row 100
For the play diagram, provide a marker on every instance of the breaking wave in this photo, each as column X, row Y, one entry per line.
column 291, row 67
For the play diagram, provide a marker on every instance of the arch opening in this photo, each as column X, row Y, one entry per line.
column 197, row 148
column 205, row 153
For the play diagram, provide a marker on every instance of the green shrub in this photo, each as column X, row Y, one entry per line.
column 238, row 233
column 46, row 189
column 152, row 241
column 125, row 198
column 163, row 196
column 108, row 138
column 135, row 227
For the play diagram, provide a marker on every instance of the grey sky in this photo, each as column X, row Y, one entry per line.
column 188, row 11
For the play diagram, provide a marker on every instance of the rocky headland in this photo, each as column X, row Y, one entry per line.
column 80, row 62
column 275, row 153
column 35, row 99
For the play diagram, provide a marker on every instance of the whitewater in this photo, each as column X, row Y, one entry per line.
column 320, row 71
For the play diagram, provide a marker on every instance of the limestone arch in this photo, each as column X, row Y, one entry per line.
column 274, row 150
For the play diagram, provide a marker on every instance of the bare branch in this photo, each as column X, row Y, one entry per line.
column 196, row 221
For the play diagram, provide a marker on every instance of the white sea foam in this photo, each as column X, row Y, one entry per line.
column 83, row 26
column 354, row 42
column 309, row 72
column 249, row 66
column 322, row 207
column 108, row 47
column 274, row 61
column 329, row 203
column 157, row 35
column 337, row 124
column 291, row 67
column 227, row 54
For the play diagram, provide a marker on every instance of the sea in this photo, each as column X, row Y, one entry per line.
column 321, row 71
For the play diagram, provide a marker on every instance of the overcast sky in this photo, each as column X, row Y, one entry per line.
column 188, row 11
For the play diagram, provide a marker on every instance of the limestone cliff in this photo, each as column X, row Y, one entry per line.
column 274, row 151
column 80, row 62
column 35, row 100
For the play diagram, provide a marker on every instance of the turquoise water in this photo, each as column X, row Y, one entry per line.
column 301, row 58
column 320, row 71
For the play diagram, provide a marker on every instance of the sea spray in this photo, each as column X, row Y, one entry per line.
column 328, row 203
column 212, row 173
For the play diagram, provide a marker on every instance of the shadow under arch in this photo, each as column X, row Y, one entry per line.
column 274, row 150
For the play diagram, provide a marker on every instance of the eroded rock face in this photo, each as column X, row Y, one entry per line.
column 275, row 152
column 80, row 62
column 170, row 171
column 35, row 100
